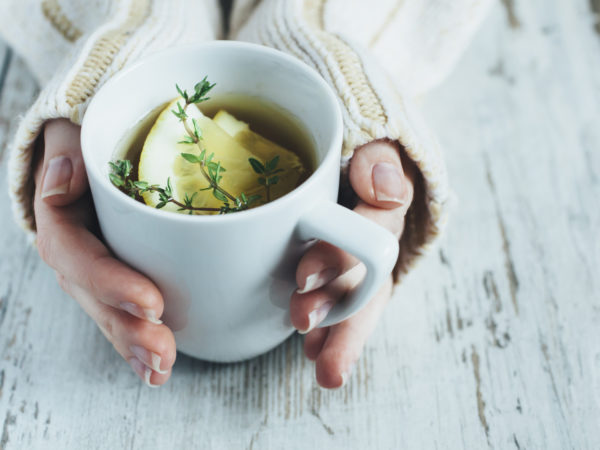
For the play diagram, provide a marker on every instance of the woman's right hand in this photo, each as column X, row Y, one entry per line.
column 125, row 305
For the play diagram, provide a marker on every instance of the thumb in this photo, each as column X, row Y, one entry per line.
column 63, row 174
column 379, row 177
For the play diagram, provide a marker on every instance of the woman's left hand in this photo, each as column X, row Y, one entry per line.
column 384, row 186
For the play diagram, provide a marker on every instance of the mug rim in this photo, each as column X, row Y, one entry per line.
column 103, row 180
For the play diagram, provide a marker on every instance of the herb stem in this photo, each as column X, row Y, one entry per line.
column 183, row 206
column 196, row 140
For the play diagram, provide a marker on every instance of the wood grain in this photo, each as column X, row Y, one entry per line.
column 491, row 342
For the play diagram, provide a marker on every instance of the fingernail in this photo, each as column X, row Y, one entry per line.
column 346, row 375
column 316, row 280
column 58, row 177
column 142, row 370
column 149, row 358
column 137, row 311
column 151, row 316
column 317, row 316
column 388, row 183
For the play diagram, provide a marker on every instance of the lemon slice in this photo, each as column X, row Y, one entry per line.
column 264, row 150
column 161, row 160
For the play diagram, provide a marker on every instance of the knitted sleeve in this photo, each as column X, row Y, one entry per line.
column 364, row 50
column 73, row 47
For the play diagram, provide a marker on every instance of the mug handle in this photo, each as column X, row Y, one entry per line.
column 375, row 246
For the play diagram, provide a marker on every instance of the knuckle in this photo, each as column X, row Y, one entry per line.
column 332, row 257
column 89, row 281
column 166, row 350
column 139, row 288
column 107, row 323
column 62, row 282
column 320, row 250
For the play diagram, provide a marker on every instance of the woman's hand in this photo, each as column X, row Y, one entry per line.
column 325, row 273
column 124, row 304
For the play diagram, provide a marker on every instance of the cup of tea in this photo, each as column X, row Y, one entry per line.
column 227, row 279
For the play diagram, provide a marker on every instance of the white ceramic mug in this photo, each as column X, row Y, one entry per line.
column 231, row 276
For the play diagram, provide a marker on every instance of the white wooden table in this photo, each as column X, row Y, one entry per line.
column 494, row 341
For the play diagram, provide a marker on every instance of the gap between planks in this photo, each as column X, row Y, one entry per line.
column 6, row 60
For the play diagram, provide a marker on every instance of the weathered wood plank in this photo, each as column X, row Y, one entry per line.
column 492, row 342
column 18, row 262
column 523, row 138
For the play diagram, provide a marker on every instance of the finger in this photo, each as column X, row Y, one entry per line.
column 308, row 310
column 390, row 219
column 69, row 248
column 149, row 348
column 63, row 173
column 323, row 262
column 313, row 342
column 345, row 341
column 378, row 177
column 320, row 264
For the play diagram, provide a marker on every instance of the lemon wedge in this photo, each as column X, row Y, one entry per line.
column 161, row 159
column 264, row 150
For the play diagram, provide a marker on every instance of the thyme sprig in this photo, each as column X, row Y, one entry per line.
column 267, row 173
column 121, row 177
column 209, row 169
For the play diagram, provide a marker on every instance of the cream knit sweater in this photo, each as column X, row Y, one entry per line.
column 376, row 54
